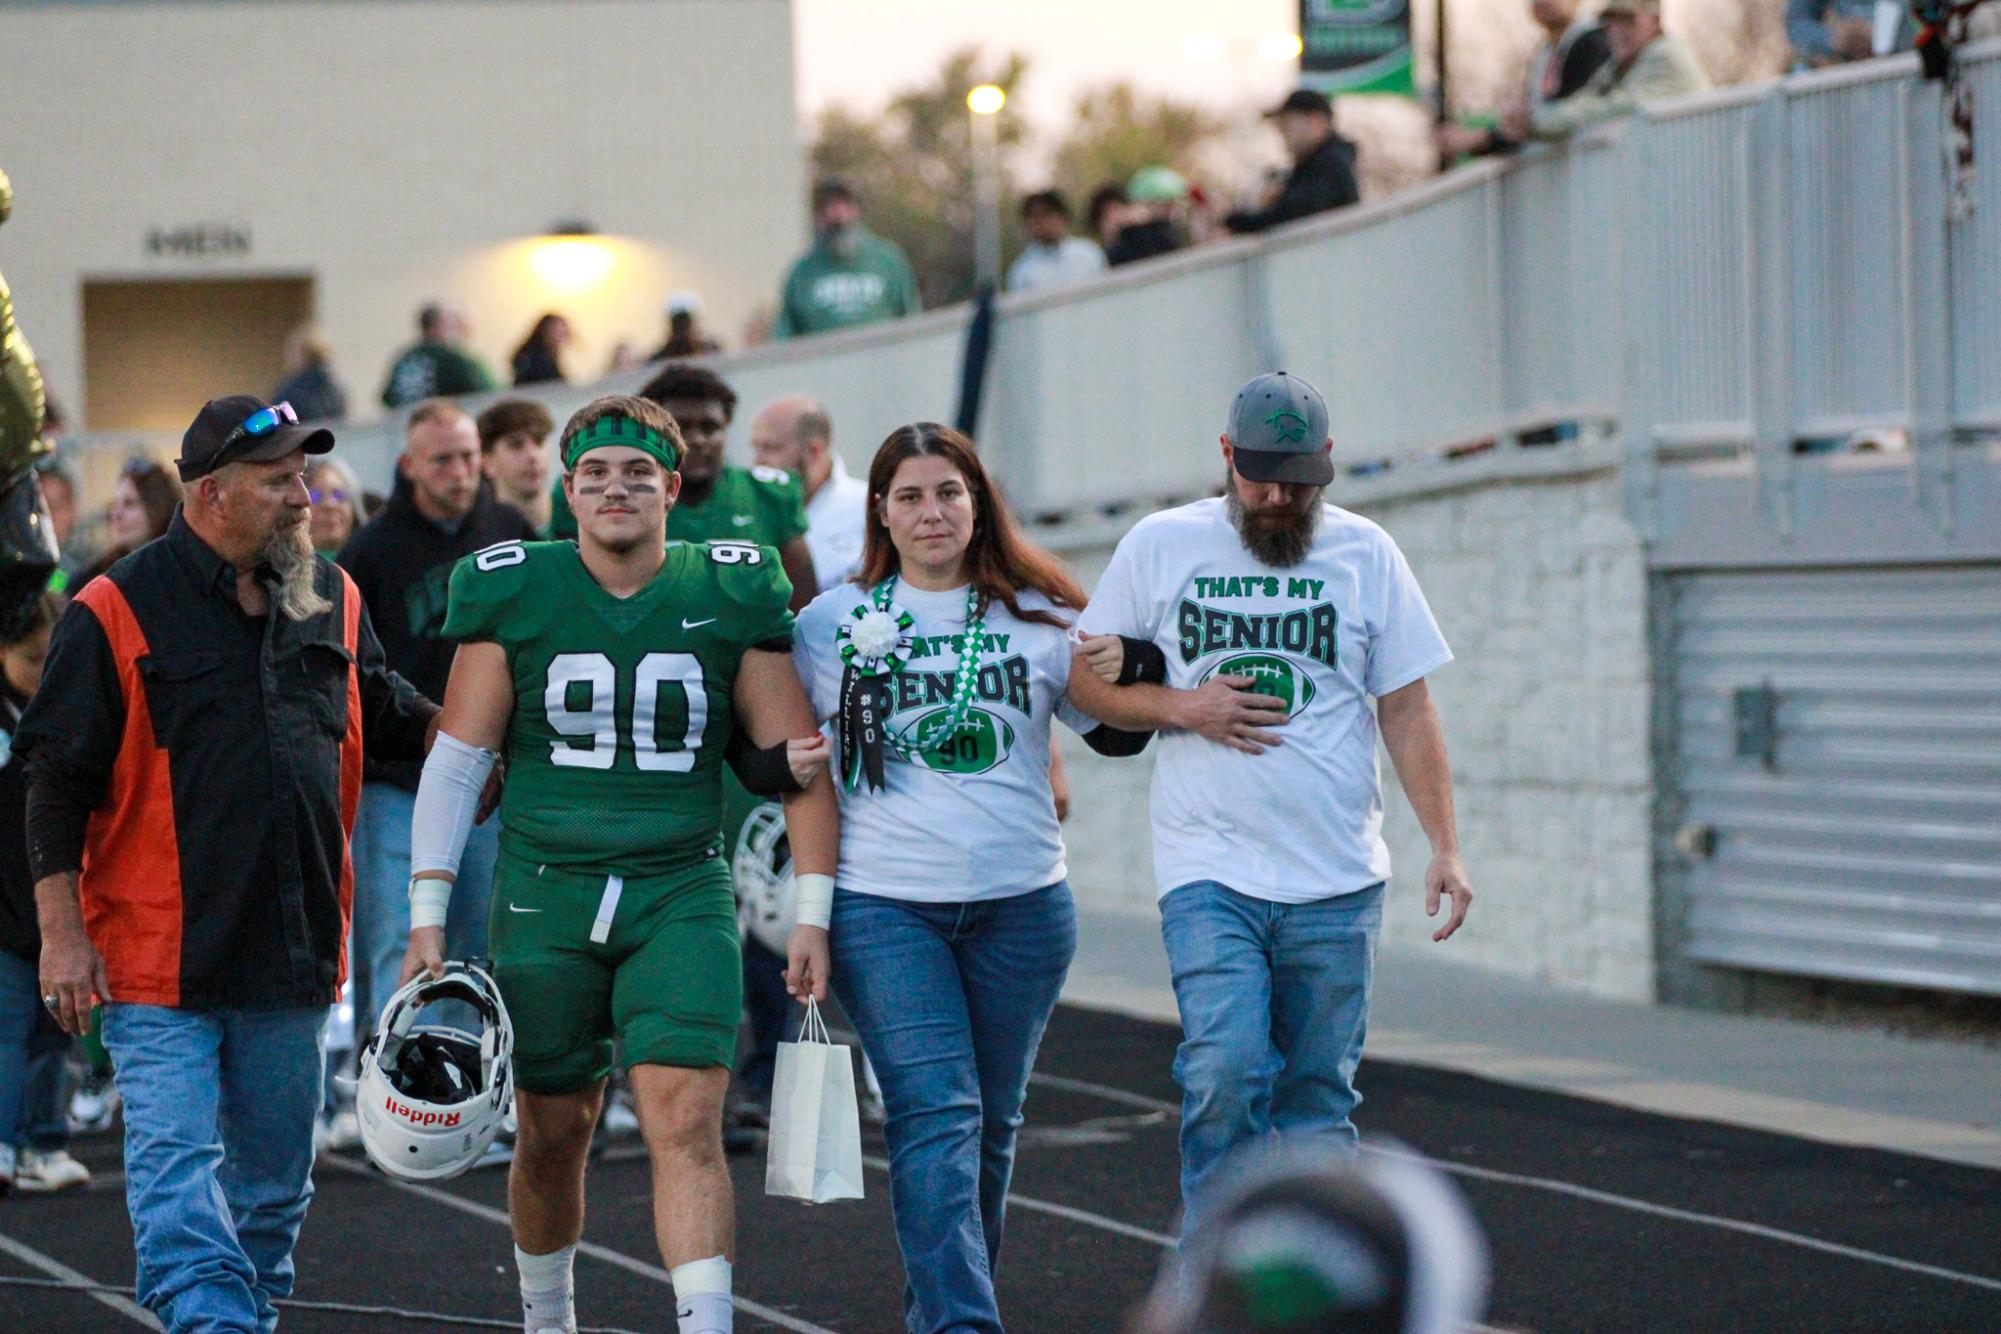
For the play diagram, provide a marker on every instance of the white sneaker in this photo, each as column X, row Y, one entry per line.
column 7, row 1165
column 620, row 1120
column 93, row 1109
column 40, row 1173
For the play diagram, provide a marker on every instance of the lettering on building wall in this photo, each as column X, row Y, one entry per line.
column 201, row 240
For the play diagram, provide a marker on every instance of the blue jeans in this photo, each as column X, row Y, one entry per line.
column 381, row 850
column 32, row 1050
column 951, row 1001
column 1274, row 1000
column 219, row 1108
column 769, row 1007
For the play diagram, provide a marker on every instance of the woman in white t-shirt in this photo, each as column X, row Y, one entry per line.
column 941, row 668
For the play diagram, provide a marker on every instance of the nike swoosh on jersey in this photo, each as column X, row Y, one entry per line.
column 516, row 908
column 743, row 520
column 687, row 624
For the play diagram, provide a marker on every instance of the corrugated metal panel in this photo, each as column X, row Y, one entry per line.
column 1868, row 845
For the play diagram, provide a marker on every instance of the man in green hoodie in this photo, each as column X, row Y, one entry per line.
column 850, row 277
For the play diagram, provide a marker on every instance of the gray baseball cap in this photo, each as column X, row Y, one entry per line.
column 1278, row 425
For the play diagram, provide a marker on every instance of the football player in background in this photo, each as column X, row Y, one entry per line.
column 615, row 671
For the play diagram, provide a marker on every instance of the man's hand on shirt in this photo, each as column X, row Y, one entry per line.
column 1221, row 710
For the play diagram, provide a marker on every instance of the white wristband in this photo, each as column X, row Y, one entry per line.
column 430, row 902
column 813, row 899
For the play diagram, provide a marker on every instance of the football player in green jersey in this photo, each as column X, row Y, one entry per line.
column 720, row 502
column 615, row 671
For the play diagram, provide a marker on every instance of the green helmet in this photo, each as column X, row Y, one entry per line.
column 1153, row 185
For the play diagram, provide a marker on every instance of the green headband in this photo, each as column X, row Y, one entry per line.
column 616, row 430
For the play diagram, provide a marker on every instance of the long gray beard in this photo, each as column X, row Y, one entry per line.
column 290, row 553
column 1280, row 541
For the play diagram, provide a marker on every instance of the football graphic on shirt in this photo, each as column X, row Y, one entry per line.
column 1270, row 675
column 983, row 743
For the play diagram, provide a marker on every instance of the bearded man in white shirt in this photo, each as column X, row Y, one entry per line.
column 1267, row 807
column 794, row 434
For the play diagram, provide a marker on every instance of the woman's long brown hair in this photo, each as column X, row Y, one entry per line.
column 1000, row 562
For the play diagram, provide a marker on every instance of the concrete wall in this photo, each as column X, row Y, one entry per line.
column 1539, row 583
column 396, row 152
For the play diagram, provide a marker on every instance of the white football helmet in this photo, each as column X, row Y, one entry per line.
column 766, row 904
column 431, row 1098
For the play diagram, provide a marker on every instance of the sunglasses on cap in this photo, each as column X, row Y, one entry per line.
column 260, row 423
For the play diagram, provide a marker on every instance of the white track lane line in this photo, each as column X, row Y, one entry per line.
column 1064, row 1211
column 55, row 1268
column 1129, row 1099
column 592, row 1249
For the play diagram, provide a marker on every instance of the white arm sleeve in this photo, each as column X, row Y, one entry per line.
column 447, row 800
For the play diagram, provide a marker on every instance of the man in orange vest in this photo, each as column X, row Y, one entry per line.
column 193, row 773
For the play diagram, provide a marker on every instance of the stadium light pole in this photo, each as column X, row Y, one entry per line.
column 985, row 102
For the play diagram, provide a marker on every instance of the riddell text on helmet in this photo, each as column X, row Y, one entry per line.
column 417, row 1118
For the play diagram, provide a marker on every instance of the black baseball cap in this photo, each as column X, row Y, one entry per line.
column 226, row 431
column 1303, row 99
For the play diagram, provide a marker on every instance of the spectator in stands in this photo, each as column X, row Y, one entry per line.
column 1053, row 257
column 1832, row 32
column 685, row 335
column 401, row 561
column 539, row 359
column 1107, row 215
column 309, row 384
column 142, row 505
column 1647, row 65
column 1154, row 219
column 437, row 364
column 850, row 277
column 59, row 494
column 1574, row 49
column 336, row 495
column 795, row 435
column 1323, row 165
column 515, row 455
column 34, row 1133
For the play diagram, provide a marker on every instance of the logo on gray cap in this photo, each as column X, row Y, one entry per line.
column 1278, row 426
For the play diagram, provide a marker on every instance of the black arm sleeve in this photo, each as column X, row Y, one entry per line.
column 70, row 734
column 763, row 770
column 394, row 717
column 1142, row 663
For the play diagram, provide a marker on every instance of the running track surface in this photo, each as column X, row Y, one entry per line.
column 1599, row 1218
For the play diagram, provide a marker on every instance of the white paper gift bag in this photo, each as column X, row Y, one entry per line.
column 816, row 1127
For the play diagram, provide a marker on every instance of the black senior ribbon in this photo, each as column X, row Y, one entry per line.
column 864, row 720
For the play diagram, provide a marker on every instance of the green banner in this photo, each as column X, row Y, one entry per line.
column 1356, row 46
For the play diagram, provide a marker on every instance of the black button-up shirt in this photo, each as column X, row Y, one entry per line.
column 201, row 766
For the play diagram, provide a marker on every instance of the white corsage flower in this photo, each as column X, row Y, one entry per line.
column 875, row 634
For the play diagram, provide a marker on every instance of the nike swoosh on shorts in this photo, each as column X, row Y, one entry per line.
column 516, row 908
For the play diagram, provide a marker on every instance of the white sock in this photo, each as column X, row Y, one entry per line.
column 702, row 1296
column 548, row 1290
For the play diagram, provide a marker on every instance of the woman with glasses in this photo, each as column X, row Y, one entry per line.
column 336, row 497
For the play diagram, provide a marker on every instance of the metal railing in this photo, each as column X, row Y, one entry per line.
column 1731, row 274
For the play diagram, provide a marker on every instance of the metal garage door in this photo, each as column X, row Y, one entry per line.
column 1835, row 742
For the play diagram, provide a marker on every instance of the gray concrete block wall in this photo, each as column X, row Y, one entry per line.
column 1540, row 586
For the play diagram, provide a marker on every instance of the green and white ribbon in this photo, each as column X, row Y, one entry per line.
column 875, row 644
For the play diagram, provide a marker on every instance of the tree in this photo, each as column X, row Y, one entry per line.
column 1116, row 131
column 913, row 167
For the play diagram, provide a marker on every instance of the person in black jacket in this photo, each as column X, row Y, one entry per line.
column 34, row 1133
column 194, row 757
column 1323, row 165
column 539, row 358
column 401, row 560
column 1562, row 65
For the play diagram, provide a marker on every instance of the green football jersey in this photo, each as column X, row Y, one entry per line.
column 622, row 707
column 762, row 505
